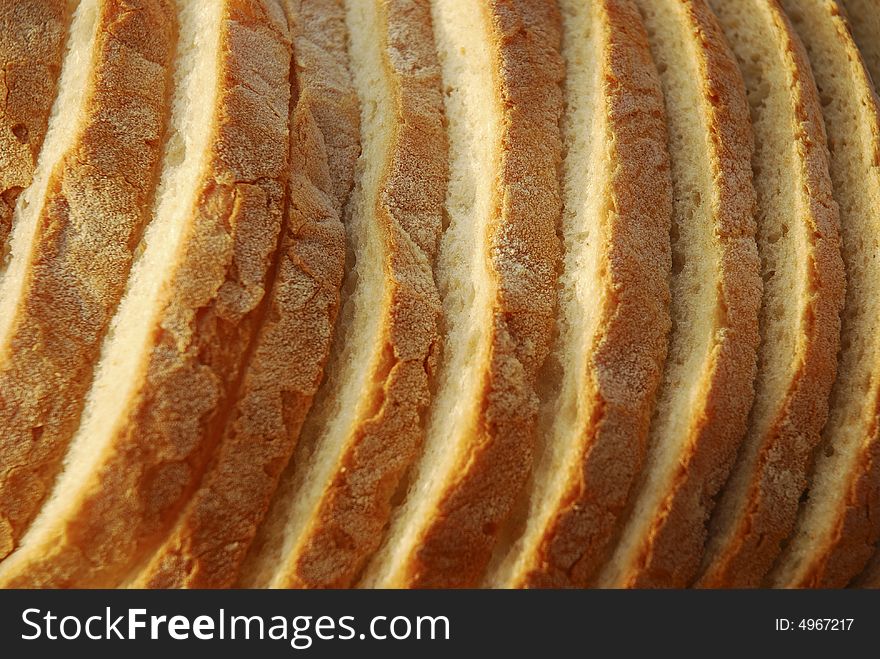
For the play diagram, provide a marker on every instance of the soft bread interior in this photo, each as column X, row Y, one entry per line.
column 62, row 130
column 783, row 244
column 357, row 350
column 126, row 346
column 462, row 271
column 851, row 121
column 694, row 269
column 565, row 409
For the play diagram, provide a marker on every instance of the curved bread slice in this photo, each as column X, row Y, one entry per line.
column 839, row 522
column 706, row 391
column 32, row 36
column 864, row 21
column 181, row 330
column 365, row 430
column 497, row 273
column 212, row 536
column 320, row 45
column 799, row 244
column 613, row 315
column 75, row 230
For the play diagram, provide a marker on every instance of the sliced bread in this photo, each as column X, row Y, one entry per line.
column 864, row 21
column 799, row 244
column 32, row 39
column 323, row 74
column 497, row 274
column 172, row 354
column 213, row 534
column 75, row 231
column 365, row 430
column 597, row 389
column 706, row 392
column 839, row 522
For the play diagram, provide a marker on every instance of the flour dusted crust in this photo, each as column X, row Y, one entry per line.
column 758, row 508
column 628, row 345
column 32, row 36
column 321, row 59
column 159, row 445
column 84, row 242
column 452, row 545
column 839, row 522
column 864, row 21
column 339, row 493
column 663, row 542
column 353, row 511
column 286, row 364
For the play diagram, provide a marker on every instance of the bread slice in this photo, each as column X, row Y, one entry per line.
column 75, row 230
column 32, row 39
column 193, row 298
column 839, row 522
column 321, row 57
column 212, row 536
column 799, row 244
column 598, row 387
column 864, row 21
column 706, row 391
column 497, row 274
column 365, row 430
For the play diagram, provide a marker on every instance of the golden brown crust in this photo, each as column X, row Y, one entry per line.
column 320, row 44
column 627, row 352
column 350, row 519
column 864, row 21
column 212, row 304
column 849, row 535
column 32, row 36
column 763, row 513
column 669, row 553
column 286, row 364
column 84, row 247
column 455, row 544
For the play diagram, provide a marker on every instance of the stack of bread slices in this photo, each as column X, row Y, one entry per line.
column 439, row 293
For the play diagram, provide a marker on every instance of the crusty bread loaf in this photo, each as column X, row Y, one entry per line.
column 286, row 364
column 174, row 348
column 864, row 21
column 365, row 429
column 799, row 244
column 839, row 522
column 32, row 38
column 497, row 272
column 706, row 391
column 75, row 230
column 612, row 315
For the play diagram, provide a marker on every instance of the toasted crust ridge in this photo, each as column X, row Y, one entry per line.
column 707, row 390
column 333, row 505
column 285, row 368
column 32, row 35
column 116, row 498
column 758, row 509
column 839, row 522
column 71, row 258
column 625, row 208
column 469, row 493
